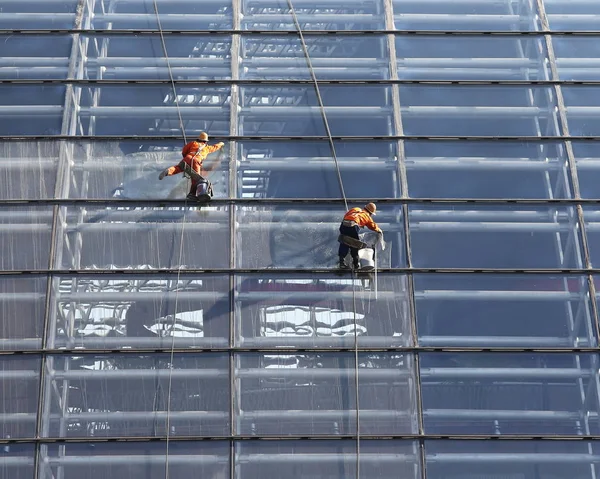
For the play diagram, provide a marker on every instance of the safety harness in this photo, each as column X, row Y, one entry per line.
column 204, row 189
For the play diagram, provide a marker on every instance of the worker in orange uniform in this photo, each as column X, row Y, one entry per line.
column 354, row 220
column 194, row 153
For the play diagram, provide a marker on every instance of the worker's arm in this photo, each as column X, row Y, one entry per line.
column 212, row 148
column 369, row 223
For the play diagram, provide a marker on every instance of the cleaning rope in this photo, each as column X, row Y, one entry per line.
column 172, row 353
column 337, row 166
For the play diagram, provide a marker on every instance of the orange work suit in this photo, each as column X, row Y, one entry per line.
column 193, row 155
column 362, row 218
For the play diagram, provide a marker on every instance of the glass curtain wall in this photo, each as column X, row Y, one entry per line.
column 142, row 336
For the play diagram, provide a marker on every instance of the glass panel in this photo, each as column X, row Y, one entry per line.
column 28, row 169
column 206, row 459
column 307, row 169
column 130, row 169
column 174, row 15
column 19, row 392
column 22, row 307
column 49, row 14
column 327, row 459
column 34, row 56
column 569, row 15
column 487, row 110
column 316, row 310
column 509, row 393
column 145, row 237
column 478, row 169
column 305, row 236
column 591, row 216
column 315, row 394
column 25, row 239
column 294, row 110
column 511, row 459
column 344, row 57
column 136, row 57
column 136, row 109
column 577, row 58
column 137, row 312
column 481, row 310
column 17, row 460
column 583, row 107
column 471, row 58
column 479, row 15
column 137, row 395
column 587, row 159
column 31, row 109
column 313, row 15
column 502, row 236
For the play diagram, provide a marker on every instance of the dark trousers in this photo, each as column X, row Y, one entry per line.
column 351, row 231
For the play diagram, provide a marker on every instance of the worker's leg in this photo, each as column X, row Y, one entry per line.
column 192, row 194
column 355, row 259
column 352, row 232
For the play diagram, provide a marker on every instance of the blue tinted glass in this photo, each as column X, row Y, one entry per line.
column 17, row 461
column 308, row 169
column 572, row 15
column 458, row 236
column 587, row 159
column 582, row 103
column 318, row 311
column 577, row 58
column 34, row 57
column 137, row 395
column 591, row 215
column 28, row 14
column 31, row 109
column 469, row 169
column 507, row 310
column 509, row 393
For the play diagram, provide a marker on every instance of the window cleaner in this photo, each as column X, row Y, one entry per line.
column 349, row 239
column 194, row 153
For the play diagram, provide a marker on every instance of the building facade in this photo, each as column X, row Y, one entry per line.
column 142, row 336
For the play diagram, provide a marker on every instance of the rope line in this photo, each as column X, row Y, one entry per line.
column 172, row 351
column 339, row 175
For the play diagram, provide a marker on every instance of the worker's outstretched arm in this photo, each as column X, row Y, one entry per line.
column 213, row 164
column 212, row 148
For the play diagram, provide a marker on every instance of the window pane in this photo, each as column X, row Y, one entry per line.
column 145, row 237
column 318, row 311
column 131, row 395
column 137, row 312
column 19, row 392
column 295, row 111
column 330, row 459
column 577, row 58
column 587, row 159
column 479, row 15
column 307, row 169
column 52, row 14
column 131, row 459
column 315, row 394
column 130, row 170
column 572, row 16
column 25, row 239
column 22, row 308
column 509, row 393
column 591, row 216
column 17, row 460
column 31, row 109
column 297, row 236
column 470, row 58
column 478, row 110
column 346, row 57
column 522, row 459
column 507, row 310
column 583, row 106
column 312, row 15
column 34, row 56
column 478, row 169
column 28, row 169
column 457, row 236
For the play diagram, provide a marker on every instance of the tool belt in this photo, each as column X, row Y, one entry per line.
column 349, row 223
column 352, row 242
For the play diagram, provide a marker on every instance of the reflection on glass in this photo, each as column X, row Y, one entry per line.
column 457, row 236
column 331, row 459
column 145, row 237
column 127, row 460
column 320, row 310
column 17, row 461
column 19, row 392
column 480, row 169
column 306, row 236
column 507, row 310
column 315, row 394
column 22, row 307
column 524, row 459
column 140, row 312
column 478, row 110
column 471, row 58
column 509, row 393
column 307, row 169
column 131, row 395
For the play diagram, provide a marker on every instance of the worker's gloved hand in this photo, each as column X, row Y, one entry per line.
column 220, row 144
column 163, row 173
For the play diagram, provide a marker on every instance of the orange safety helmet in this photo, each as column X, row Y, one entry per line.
column 371, row 208
column 203, row 136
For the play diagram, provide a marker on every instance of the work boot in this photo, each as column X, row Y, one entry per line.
column 191, row 197
column 342, row 264
column 355, row 263
column 163, row 174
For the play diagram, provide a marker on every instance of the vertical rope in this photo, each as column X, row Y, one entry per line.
column 172, row 353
